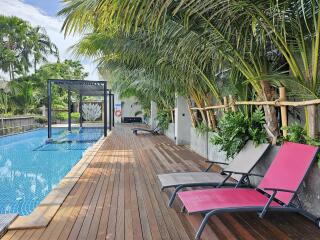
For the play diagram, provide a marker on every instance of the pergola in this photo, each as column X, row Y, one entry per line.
column 83, row 88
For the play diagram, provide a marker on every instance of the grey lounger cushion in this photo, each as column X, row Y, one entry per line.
column 244, row 162
column 177, row 179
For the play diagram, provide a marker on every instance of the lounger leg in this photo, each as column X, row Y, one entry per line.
column 173, row 195
column 203, row 224
column 183, row 209
column 265, row 209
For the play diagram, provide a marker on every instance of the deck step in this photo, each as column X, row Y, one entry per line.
column 5, row 221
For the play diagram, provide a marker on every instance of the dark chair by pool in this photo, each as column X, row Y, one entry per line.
column 154, row 131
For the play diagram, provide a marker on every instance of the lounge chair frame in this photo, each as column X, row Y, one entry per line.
column 244, row 181
column 154, row 131
column 262, row 211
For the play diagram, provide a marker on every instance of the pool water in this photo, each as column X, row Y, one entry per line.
column 30, row 168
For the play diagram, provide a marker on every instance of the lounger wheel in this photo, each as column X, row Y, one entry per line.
column 318, row 222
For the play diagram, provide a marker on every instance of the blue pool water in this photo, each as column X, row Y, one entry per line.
column 30, row 168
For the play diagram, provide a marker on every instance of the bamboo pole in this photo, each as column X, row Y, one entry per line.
column 276, row 103
column 283, row 110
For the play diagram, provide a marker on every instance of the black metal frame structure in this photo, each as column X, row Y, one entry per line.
column 83, row 88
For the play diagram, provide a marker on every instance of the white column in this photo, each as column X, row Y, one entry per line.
column 182, row 122
column 153, row 114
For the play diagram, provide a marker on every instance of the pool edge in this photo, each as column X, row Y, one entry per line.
column 42, row 215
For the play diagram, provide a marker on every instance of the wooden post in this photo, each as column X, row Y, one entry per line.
column 233, row 107
column 283, row 109
column 225, row 103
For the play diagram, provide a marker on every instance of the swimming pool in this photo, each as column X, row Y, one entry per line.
column 30, row 168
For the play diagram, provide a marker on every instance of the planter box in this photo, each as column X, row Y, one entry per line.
column 199, row 143
column 214, row 153
column 170, row 132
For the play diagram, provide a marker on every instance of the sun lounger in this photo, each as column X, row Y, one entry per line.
column 154, row 131
column 245, row 161
column 276, row 191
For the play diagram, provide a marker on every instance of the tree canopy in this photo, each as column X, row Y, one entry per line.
column 23, row 46
column 203, row 49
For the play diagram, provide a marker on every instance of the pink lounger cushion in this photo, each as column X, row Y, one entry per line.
column 288, row 169
column 209, row 199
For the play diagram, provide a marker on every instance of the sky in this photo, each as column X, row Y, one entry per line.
column 43, row 13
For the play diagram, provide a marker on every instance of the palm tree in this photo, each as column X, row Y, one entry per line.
column 20, row 43
column 261, row 42
column 41, row 46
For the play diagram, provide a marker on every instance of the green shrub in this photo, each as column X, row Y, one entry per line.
column 163, row 118
column 41, row 119
column 235, row 128
column 63, row 116
column 75, row 116
column 295, row 133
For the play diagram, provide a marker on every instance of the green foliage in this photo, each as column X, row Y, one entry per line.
column 163, row 118
column 235, row 128
column 296, row 133
column 63, row 116
column 202, row 129
column 26, row 94
column 232, row 133
column 22, row 46
column 41, row 119
column 256, row 128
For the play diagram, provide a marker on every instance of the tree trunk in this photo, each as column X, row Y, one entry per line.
column 312, row 121
column 269, row 111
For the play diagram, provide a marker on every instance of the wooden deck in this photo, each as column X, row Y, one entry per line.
column 118, row 197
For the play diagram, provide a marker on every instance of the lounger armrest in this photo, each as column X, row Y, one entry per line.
column 279, row 190
column 207, row 161
column 243, row 173
column 211, row 163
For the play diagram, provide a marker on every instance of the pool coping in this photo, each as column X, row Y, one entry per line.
column 42, row 215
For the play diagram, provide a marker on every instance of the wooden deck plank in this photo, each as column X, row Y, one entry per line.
column 93, row 230
column 118, row 197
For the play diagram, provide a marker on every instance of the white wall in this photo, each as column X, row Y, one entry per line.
column 170, row 132
column 182, row 122
column 128, row 107
column 153, row 115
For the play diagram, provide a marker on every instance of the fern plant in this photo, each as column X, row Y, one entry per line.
column 235, row 128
